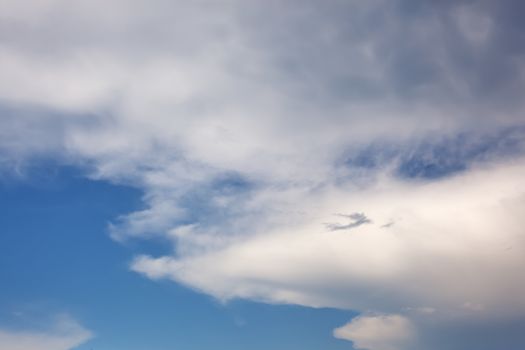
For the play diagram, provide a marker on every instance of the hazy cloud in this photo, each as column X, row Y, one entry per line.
column 64, row 334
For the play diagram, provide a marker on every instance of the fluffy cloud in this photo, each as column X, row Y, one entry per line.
column 385, row 332
column 358, row 155
column 453, row 245
column 65, row 334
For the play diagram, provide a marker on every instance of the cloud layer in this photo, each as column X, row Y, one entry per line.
column 357, row 155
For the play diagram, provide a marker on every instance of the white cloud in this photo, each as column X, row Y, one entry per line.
column 448, row 245
column 383, row 332
column 65, row 334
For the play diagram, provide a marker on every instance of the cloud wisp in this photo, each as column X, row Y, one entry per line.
column 356, row 219
column 64, row 334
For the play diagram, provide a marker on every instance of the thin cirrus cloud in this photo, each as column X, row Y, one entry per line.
column 64, row 334
column 247, row 125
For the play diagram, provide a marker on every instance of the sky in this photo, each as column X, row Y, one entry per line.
column 230, row 174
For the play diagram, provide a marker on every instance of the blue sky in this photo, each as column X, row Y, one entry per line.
column 262, row 174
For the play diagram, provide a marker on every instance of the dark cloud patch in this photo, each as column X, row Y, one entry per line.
column 388, row 224
column 474, row 333
column 437, row 158
column 447, row 52
column 356, row 219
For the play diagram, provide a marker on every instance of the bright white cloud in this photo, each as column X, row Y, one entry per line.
column 383, row 332
column 65, row 334
column 445, row 244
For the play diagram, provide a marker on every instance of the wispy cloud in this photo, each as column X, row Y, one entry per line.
column 64, row 334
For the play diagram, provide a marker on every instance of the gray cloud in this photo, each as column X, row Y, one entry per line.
column 356, row 219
